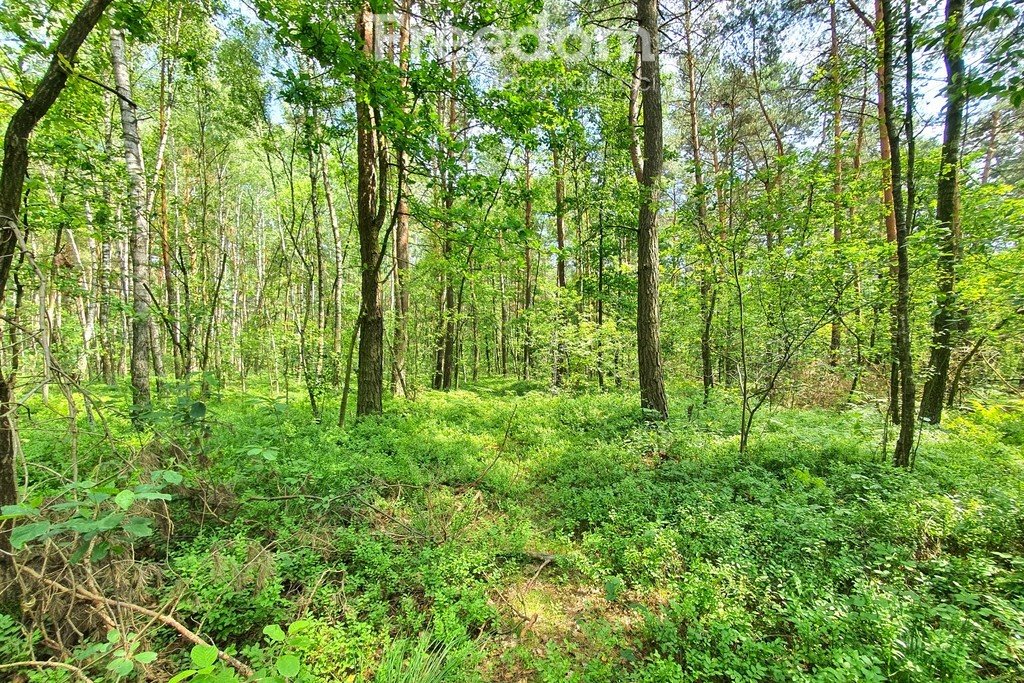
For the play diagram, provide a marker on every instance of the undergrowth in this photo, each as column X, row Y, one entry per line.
column 500, row 533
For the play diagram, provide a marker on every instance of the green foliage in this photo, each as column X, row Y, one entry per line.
column 13, row 646
column 403, row 547
column 519, row 529
column 205, row 667
column 419, row 661
column 93, row 517
column 806, row 559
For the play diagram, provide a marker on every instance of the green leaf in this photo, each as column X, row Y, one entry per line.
column 183, row 676
column 96, row 496
column 79, row 552
column 274, row 632
column 121, row 667
column 146, row 657
column 84, row 525
column 11, row 511
column 299, row 626
column 125, row 499
column 613, row 587
column 226, row 676
column 288, row 666
column 139, row 527
column 153, row 495
column 197, row 411
column 28, row 532
column 171, row 477
column 99, row 551
column 203, row 655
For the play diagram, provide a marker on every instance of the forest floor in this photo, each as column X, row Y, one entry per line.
column 541, row 537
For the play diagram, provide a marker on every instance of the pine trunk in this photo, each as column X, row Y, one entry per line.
column 652, row 385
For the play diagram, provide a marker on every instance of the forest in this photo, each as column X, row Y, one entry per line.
column 424, row 341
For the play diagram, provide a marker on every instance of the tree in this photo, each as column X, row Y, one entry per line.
column 399, row 380
column 835, row 338
column 12, row 181
column 371, row 204
column 528, row 276
column 904, row 218
column 140, row 347
column 648, row 326
column 708, row 290
column 947, row 215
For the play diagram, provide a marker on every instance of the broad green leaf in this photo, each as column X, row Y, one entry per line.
column 299, row 626
column 183, row 676
column 288, row 666
column 12, row 511
column 125, row 499
column 28, row 532
column 203, row 655
column 100, row 551
column 121, row 667
column 85, row 525
column 138, row 526
column 274, row 632
column 197, row 411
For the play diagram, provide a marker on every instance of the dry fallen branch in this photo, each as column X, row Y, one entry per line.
column 164, row 619
column 42, row 664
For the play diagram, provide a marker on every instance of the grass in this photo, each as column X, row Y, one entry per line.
column 500, row 533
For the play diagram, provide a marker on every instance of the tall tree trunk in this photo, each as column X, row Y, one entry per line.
column 399, row 382
column 990, row 147
column 559, row 171
column 947, row 215
column 372, row 167
column 652, row 384
column 170, row 289
column 103, row 274
column 559, row 368
column 528, row 258
column 885, row 152
column 451, row 315
column 12, row 183
column 332, row 215
column 904, row 216
column 600, row 294
column 442, row 315
column 446, row 357
column 706, row 276
column 835, row 341
column 139, row 229
column 503, row 327
column 159, row 187
column 313, row 163
column 401, row 281
column 85, row 311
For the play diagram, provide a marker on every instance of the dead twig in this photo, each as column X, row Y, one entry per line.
column 164, row 619
column 497, row 454
column 42, row 664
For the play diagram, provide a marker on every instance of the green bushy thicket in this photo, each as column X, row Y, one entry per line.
column 504, row 534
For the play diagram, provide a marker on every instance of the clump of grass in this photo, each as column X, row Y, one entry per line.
column 419, row 661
